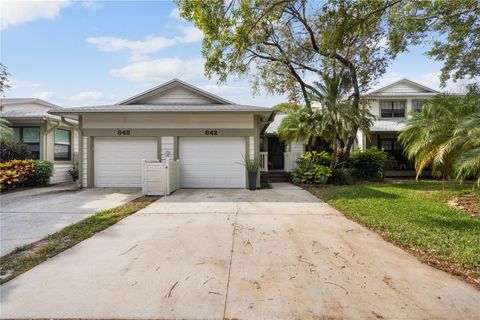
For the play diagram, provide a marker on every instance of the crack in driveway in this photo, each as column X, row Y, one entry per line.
column 230, row 263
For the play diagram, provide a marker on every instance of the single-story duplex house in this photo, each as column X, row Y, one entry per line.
column 50, row 137
column 208, row 134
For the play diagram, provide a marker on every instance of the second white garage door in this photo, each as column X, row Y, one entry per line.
column 118, row 161
column 212, row 162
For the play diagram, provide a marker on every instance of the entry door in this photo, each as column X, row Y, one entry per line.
column 212, row 162
column 276, row 150
column 118, row 161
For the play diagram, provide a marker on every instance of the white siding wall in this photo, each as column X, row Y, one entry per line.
column 84, row 161
column 170, row 121
column 294, row 150
column 167, row 148
column 75, row 145
column 374, row 108
column 251, row 149
column 176, row 95
column 61, row 173
column 296, row 147
column 404, row 88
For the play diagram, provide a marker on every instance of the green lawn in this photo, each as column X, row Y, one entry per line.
column 416, row 216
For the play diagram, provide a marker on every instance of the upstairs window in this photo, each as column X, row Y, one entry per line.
column 417, row 105
column 62, row 148
column 389, row 144
column 392, row 109
column 31, row 137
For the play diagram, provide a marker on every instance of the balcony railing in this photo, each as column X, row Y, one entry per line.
column 263, row 161
column 290, row 161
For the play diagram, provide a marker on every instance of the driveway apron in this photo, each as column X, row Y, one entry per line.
column 237, row 254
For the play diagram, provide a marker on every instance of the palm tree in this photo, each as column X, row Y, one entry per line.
column 300, row 124
column 339, row 120
column 467, row 165
column 439, row 135
column 5, row 130
column 334, row 120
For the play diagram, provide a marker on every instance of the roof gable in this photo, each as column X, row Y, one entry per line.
column 403, row 87
column 175, row 92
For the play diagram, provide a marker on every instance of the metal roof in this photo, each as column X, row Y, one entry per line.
column 10, row 101
column 387, row 126
column 162, row 108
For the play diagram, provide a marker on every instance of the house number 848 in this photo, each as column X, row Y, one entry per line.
column 211, row 132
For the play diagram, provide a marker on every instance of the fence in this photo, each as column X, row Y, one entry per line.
column 160, row 177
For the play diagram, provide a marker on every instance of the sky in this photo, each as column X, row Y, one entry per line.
column 77, row 53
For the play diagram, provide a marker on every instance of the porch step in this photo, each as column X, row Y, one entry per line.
column 278, row 176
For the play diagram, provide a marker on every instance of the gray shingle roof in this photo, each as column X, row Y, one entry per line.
column 163, row 108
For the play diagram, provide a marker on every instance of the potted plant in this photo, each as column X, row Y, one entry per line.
column 74, row 171
column 252, row 166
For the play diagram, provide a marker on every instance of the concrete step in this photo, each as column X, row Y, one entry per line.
column 278, row 176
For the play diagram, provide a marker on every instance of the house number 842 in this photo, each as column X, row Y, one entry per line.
column 211, row 132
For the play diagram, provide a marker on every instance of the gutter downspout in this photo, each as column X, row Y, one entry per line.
column 64, row 121
column 54, row 127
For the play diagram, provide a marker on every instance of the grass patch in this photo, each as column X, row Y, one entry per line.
column 28, row 256
column 416, row 216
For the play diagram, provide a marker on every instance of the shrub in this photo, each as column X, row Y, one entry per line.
column 74, row 171
column 314, row 157
column 16, row 173
column 13, row 150
column 312, row 173
column 252, row 165
column 369, row 164
column 265, row 182
column 43, row 173
column 342, row 177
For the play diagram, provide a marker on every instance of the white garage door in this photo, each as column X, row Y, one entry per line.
column 118, row 161
column 212, row 162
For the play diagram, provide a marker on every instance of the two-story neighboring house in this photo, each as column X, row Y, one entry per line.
column 392, row 105
column 49, row 137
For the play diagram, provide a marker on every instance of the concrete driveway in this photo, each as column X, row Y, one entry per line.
column 28, row 216
column 218, row 254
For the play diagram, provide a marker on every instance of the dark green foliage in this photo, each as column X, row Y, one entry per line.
column 13, row 150
column 264, row 182
column 312, row 168
column 369, row 164
column 313, row 173
column 342, row 177
column 43, row 173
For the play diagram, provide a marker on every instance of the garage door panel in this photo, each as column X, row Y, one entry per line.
column 212, row 162
column 118, row 161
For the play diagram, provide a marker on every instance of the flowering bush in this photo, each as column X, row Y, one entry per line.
column 16, row 173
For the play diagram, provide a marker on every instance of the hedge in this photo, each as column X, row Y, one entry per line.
column 22, row 173
column 16, row 173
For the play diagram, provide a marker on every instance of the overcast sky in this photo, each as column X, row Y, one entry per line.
column 76, row 53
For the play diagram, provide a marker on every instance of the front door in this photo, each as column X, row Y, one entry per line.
column 276, row 149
